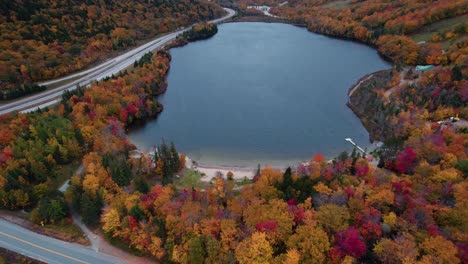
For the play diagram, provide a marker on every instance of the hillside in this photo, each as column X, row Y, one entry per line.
column 46, row 39
column 388, row 25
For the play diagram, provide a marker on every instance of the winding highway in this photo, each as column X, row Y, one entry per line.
column 107, row 68
column 46, row 249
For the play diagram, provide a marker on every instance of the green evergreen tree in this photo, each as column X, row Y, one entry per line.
column 196, row 251
column 287, row 185
column 174, row 158
column 90, row 208
column 137, row 213
column 119, row 169
column 165, row 155
column 457, row 73
column 141, row 184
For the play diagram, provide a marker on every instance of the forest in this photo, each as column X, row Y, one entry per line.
column 47, row 39
column 388, row 25
column 197, row 32
column 200, row 31
column 411, row 208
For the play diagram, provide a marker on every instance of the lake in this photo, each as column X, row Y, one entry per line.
column 264, row 93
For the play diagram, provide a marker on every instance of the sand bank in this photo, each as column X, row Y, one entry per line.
column 211, row 171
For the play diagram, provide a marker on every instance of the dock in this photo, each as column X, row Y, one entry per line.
column 356, row 146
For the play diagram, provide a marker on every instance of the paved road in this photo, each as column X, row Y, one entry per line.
column 112, row 66
column 50, row 250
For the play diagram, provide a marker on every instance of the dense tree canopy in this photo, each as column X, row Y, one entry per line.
column 381, row 23
column 411, row 210
column 46, row 39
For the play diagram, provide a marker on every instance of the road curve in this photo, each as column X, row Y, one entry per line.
column 107, row 68
column 49, row 250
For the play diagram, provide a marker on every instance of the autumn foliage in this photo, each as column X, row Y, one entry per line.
column 47, row 39
column 385, row 24
column 346, row 217
column 347, row 210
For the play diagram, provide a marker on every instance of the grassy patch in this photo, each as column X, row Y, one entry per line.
column 61, row 83
column 119, row 243
column 444, row 24
column 8, row 256
column 445, row 44
column 236, row 192
column 66, row 231
column 243, row 182
column 191, row 178
column 65, row 172
column 422, row 37
column 426, row 32
column 337, row 4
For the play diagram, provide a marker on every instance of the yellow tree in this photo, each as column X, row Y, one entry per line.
column 264, row 186
column 401, row 250
column 163, row 196
column 91, row 185
column 111, row 222
column 311, row 242
column 139, row 238
column 229, row 234
column 156, row 247
column 440, row 250
column 218, row 191
column 182, row 160
column 254, row 250
column 333, row 218
column 450, row 175
column 274, row 211
column 292, row 257
column 210, row 226
column 460, row 191
column 20, row 197
column 159, row 168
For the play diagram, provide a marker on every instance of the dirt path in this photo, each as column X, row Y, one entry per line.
column 100, row 244
column 359, row 84
column 97, row 240
column 402, row 82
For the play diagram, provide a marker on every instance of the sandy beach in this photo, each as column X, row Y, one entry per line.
column 211, row 171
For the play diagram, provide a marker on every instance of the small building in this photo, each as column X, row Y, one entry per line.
column 423, row 68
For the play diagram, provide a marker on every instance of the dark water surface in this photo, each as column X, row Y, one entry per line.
column 257, row 92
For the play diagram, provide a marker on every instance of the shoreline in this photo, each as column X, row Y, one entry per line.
column 375, row 127
column 211, row 172
column 211, row 169
column 264, row 19
column 210, row 165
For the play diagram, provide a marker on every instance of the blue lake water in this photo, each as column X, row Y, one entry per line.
column 261, row 93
